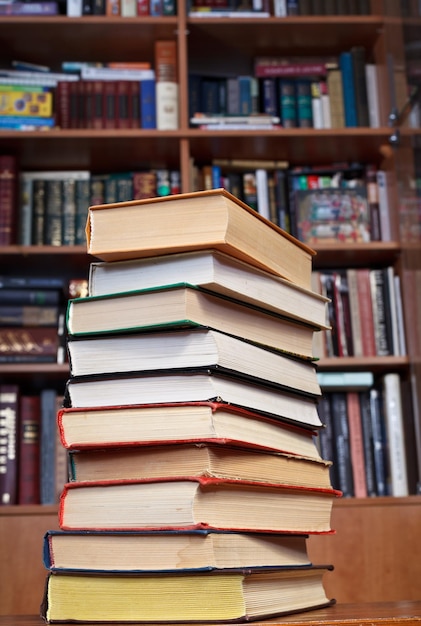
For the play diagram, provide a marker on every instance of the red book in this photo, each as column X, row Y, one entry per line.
column 144, row 185
column 368, row 336
column 192, row 502
column 134, row 104
column 122, row 113
column 97, row 104
column 143, row 7
column 9, row 420
column 356, row 444
column 110, row 104
column 29, row 432
column 63, row 100
column 8, row 175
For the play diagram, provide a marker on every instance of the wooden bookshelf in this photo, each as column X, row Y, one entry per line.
column 375, row 548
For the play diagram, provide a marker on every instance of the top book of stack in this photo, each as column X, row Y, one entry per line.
column 212, row 219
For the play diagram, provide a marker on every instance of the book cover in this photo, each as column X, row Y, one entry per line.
column 85, row 506
column 356, row 444
column 348, row 89
column 166, row 68
column 197, row 597
column 195, row 422
column 9, row 422
column 370, row 475
column 159, row 551
column 8, row 199
column 342, row 443
column 48, row 400
column 29, row 344
column 180, row 224
column 29, row 450
column 393, row 411
column 358, row 54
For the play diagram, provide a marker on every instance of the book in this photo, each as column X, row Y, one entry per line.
column 29, row 450
column 159, row 551
column 348, row 89
column 104, row 427
column 166, row 68
column 341, row 441
column 207, row 597
column 378, row 429
column 185, row 350
column 366, row 312
column 393, row 412
column 180, row 223
column 356, row 444
column 9, row 424
column 8, row 197
column 373, row 95
column 178, row 306
column 30, row 344
column 358, row 54
column 48, row 400
column 195, row 502
column 212, row 460
column 191, row 386
column 29, row 8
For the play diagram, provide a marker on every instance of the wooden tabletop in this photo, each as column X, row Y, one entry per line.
column 382, row 614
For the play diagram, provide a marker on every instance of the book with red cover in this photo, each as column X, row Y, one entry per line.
column 8, row 175
column 9, row 420
column 356, row 444
column 195, row 502
column 181, row 422
column 29, row 447
column 368, row 335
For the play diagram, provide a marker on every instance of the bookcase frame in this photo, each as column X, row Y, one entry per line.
column 376, row 523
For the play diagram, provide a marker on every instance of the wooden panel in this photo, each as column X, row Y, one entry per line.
column 22, row 573
column 376, row 550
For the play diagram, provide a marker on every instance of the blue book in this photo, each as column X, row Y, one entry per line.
column 269, row 97
column 21, row 122
column 348, row 89
column 148, row 103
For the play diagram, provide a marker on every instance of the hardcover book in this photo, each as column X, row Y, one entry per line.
column 160, row 551
column 195, row 502
column 197, row 459
column 9, row 424
column 180, row 223
column 124, row 426
column 199, row 597
column 178, row 306
column 185, row 350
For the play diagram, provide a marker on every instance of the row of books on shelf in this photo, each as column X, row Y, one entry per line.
column 369, row 434
column 187, row 439
column 303, row 92
column 80, row 8
column 34, row 466
column 120, row 95
column 276, row 8
column 365, row 312
column 342, row 202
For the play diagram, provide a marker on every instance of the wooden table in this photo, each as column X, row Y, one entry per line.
column 376, row 614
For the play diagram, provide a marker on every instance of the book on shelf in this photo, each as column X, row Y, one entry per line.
column 199, row 459
column 367, row 431
column 340, row 427
column 380, row 454
column 178, row 350
column 31, row 344
column 348, row 89
column 199, row 385
column 29, row 449
column 178, row 306
column 40, row 8
column 126, row 426
column 181, row 223
column 48, row 440
column 356, row 444
column 395, row 433
column 8, row 197
column 202, row 119
column 166, row 69
column 159, row 551
column 358, row 54
column 204, row 597
column 9, row 422
column 195, row 502
column 340, row 381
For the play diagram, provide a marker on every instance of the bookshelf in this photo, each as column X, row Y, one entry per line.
column 206, row 44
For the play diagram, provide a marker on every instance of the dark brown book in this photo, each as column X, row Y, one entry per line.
column 9, row 419
column 8, row 174
column 32, row 344
column 134, row 104
column 29, row 439
column 358, row 63
column 109, row 105
column 144, row 185
column 122, row 114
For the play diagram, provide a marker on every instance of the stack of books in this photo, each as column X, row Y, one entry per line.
column 190, row 420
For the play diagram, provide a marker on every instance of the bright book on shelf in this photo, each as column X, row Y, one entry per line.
column 178, row 306
column 212, row 422
column 198, row 385
column 197, row 459
column 166, row 550
column 202, row 597
column 195, row 502
column 188, row 349
column 196, row 221
column 216, row 272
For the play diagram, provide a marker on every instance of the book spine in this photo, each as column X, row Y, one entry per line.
column 366, row 312
column 356, row 444
column 384, row 205
column 166, row 85
column 379, row 443
column 68, row 212
column 356, row 329
column 262, row 190
column 53, row 231
column 304, row 106
column 29, row 450
column 8, row 182
column 287, row 103
column 335, row 91
column 379, row 304
column 342, row 445
column 48, row 400
column 361, row 100
column 367, row 433
column 9, row 420
column 372, row 87
column 148, row 105
column 395, row 434
column 28, row 315
column 348, row 87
